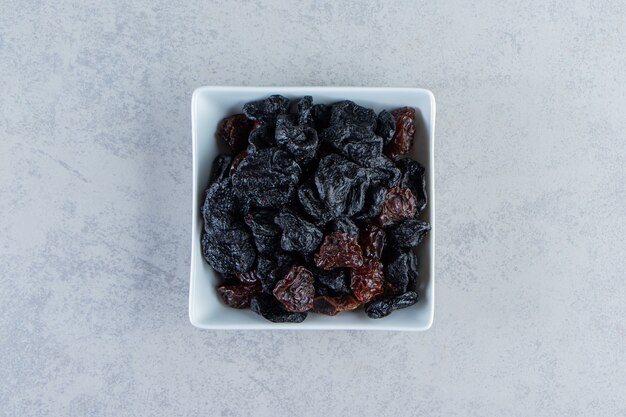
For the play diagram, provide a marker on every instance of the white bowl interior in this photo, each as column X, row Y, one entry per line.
column 209, row 106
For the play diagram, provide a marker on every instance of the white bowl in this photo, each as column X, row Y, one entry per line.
column 209, row 105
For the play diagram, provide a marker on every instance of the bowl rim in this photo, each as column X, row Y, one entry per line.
column 310, row 90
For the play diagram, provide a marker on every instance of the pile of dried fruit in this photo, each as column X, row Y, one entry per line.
column 313, row 211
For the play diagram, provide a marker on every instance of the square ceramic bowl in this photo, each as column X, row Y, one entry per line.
column 209, row 106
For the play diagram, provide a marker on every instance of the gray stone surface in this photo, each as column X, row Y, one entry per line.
column 95, row 193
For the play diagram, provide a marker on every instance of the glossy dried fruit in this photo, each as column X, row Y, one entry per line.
column 374, row 200
column 372, row 241
column 385, row 305
column 239, row 295
column 312, row 204
column 267, row 109
column 234, row 130
column 341, row 185
column 382, row 171
column 414, row 178
column 399, row 204
column 366, row 281
column 339, row 250
column 333, row 305
column 408, row 233
column 401, row 271
column 298, row 235
column 336, row 281
column 405, row 131
column 386, row 126
column 267, row 178
column 220, row 167
column 270, row 309
column 296, row 291
column 271, row 268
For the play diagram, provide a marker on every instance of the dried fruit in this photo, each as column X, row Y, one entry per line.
column 383, row 306
column 234, row 130
column 344, row 225
column 401, row 271
column 269, row 308
column 399, row 204
column 341, row 185
column 221, row 167
column 405, row 130
column 236, row 161
column 372, row 241
column 239, row 295
column 414, row 178
column 333, row 305
column 296, row 290
column 249, row 277
column 336, row 281
column 408, row 233
column 267, row 109
column 366, row 281
column 339, row 250
column 298, row 235
column 386, row 126
column 349, row 113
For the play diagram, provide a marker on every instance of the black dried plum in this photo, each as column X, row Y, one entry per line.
column 348, row 112
column 298, row 235
column 300, row 140
column 374, row 200
column 312, row 204
column 271, row 268
column 229, row 252
column 414, row 178
column 221, row 167
column 265, row 232
column 386, row 126
column 267, row 109
column 384, row 305
column 220, row 208
column 267, row 178
column 305, row 111
column 382, row 171
column 402, row 271
column 336, row 281
column 357, row 143
column 408, row 233
column 270, row 309
column 261, row 138
column 341, row 185
column 344, row 225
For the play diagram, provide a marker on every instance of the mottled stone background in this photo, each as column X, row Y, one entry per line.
column 95, row 207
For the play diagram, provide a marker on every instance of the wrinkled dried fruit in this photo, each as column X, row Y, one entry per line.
column 414, row 178
column 239, row 295
column 341, row 185
column 408, row 233
column 236, row 161
column 336, row 281
column 296, row 290
column 339, row 250
column 269, row 308
column 229, row 252
column 343, row 225
column 221, row 167
column 399, row 204
column 298, row 235
column 367, row 280
column 234, row 130
column 305, row 111
column 401, row 271
column 348, row 112
column 386, row 126
column 372, row 241
column 384, row 305
column 333, row 305
column 405, row 130
column 267, row 109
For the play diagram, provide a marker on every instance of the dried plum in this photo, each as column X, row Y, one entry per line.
column 333, row 305
column 229, row 252
column 220, row 208
column 261, row 138
column 408, row 233
column 344, row 225
column 357, row 143
column 312, row 204
column 267, row 178
column 298, row 235
column 341, row 185
column 239, row 295
column 399, row 204
column 339, row 250
column 386, row 126
column 296, row 290
column 374, row 200
column 271, row 268
column 350, row 113
column 335, row 281
column 234, row 130
column 405, row 131
column 414, row 178
column 270, row 309
column 305, row 111
column 267, row 109
column 402, row 271
column 382, row 171
column 384, row 305
column 300, row 140
column 366, row 280
column 321, row 116
column 221, row 167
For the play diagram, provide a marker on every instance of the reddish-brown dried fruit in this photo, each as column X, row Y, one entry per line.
column 333, row 305
column 367, row 280
column 372, row 240
column 236, row 161
column 339, row 250
column 249, row 277
column 238, row 295
column 234, row 130
column 399, row 204
column 405, row 130
column 296, row 290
